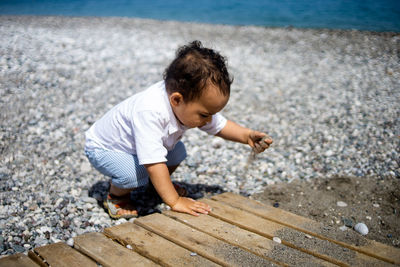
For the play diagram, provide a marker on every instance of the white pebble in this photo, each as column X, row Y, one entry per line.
column 217, row 142
column 376, row 205
column 86, row 167
column 70, row 242
column 120, row 221
column 277, row 239
column 55, row 240
column 361, row 228
column 45, row 229
column 343, row 228
column 128, row 246
column 341, row 204
column 58, row 202
column 193, row 254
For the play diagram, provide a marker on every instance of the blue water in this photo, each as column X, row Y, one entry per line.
column 374, row 15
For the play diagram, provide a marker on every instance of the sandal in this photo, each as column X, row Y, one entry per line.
column 114, row 204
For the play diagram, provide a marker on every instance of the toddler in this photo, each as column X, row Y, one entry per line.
column 139, row 139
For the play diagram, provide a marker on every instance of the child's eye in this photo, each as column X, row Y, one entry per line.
column 204, row 115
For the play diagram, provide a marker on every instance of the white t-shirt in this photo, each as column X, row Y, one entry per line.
column 143, row 125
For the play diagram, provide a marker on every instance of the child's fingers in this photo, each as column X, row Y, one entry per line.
column 192, row 212
column 202, row 207
column 256, row 135
column 258, row 148
column 263, row 143
column 202, row 211
column 191, row 206
column 267, row 140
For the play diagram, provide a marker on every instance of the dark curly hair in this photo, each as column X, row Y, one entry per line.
column 193, row 69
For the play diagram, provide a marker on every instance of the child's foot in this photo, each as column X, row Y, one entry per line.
column 120, row 207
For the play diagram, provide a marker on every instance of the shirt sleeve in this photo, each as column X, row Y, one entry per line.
column 148, row 132
column 217, row 123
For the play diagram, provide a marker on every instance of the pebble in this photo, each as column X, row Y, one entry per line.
column 121, row 221
column 217, row 143
column 347, row 222
column 70, row 242
column 58, row 202
column 277, row 239
column 44, row 229
column 361, row 228
column 89, row 200
column 18, row 248
column 324, row 116
column 193, row 254
column 341, row 204
column 86, row 167
column 40, row 241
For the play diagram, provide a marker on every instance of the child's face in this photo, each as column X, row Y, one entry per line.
column 198, row 112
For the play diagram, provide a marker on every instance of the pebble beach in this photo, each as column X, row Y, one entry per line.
column 330, row 99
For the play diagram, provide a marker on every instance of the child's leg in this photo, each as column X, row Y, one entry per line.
column 126, row 175
column 116, row 191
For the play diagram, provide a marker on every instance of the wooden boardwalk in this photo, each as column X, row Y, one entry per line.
column 238, row 232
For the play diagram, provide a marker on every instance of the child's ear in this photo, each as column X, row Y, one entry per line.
column 176, row 99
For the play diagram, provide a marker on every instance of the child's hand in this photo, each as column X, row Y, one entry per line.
column 259, row 141
column 193, row 207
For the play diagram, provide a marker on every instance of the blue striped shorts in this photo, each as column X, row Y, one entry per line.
column 125, row 170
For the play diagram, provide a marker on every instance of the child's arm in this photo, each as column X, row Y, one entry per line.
column 234, row 132
column 159, row 176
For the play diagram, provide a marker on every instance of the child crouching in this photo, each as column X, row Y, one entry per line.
column 138, row 140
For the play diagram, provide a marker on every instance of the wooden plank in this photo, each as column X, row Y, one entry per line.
column 60, row 254
column 107, row 252
column 290, row 237
column 17, row 260
column 369, row 247
column 205, row 245
column 38, row 260
column 246, row 240
column 152, row 246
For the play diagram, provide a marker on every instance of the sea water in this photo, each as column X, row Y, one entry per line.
column 374, row 15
